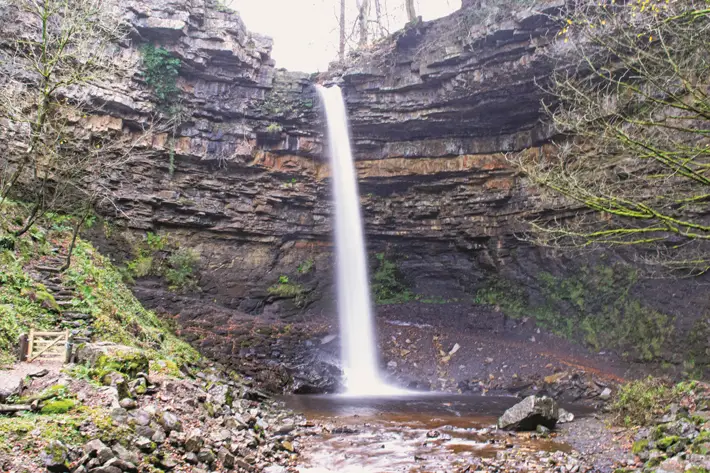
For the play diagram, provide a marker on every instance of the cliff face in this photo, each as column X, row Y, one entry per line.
column 432, row 112
column 434, row 109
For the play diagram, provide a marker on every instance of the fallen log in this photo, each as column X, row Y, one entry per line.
column 12, row 408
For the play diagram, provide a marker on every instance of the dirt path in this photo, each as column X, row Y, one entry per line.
column 12, row 378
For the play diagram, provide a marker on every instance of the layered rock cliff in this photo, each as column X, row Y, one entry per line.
column 434, row 109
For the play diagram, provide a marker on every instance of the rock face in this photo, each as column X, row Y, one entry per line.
column 434, row 110
column 530, row 413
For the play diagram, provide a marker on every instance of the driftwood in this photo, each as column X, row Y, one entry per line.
column 10, row 408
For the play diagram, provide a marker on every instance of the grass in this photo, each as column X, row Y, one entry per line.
column 118, row 316
column 641, row 402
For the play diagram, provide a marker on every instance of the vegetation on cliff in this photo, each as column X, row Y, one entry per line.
column 631, row 88
column 98, row 286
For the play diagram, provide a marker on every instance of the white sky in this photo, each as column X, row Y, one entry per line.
column 305, row 32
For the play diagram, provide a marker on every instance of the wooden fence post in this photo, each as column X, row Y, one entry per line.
column 22, row 349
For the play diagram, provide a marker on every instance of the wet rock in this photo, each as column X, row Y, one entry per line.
column 564, row 416
column 542, row 430
column 529, row 413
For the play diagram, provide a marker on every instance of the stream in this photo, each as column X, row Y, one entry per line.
column 415, row 433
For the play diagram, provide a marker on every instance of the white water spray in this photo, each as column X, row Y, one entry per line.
column 359, row 350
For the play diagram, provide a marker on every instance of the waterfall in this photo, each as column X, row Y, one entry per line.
column 358, row 345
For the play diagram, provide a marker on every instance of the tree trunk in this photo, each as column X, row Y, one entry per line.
column 75, row 234
column 31, row 219
column 411, row 11
column 341, row 50
column 363, row 14
column 378, row 14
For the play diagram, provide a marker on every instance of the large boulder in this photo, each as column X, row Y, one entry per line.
column 529, row 413
column 106, row 357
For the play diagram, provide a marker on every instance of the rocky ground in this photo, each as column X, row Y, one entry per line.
column 112, row 419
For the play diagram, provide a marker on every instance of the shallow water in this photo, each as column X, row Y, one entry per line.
column 417, row 433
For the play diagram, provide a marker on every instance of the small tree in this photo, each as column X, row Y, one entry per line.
column 53, row 52
column 631, row 105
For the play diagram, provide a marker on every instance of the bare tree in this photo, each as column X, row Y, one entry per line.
column 411, row 11
column 341, row 49
column 52, row 50
column 363, row 19
column 634, row 99
column 59, row 146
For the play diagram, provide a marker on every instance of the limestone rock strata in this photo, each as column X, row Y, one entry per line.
column 469, row 83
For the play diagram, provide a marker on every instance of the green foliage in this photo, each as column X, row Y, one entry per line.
column 286, row 289
column 593, row 305
column 161, row 71
column 387, row 285
column 23, row 305
column 223, row 7
column 639, row 446
column 181, row 268
column 157, row 256
column 640, row 402
column 127, row 363
column 306, row 267
column 274, row 128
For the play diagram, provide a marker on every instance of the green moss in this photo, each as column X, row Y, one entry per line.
column 127, row 363
column 667, row 442
column 594, row 305
column 639, row 446
column 286, row 289
column 640, row 402
column 61, row 406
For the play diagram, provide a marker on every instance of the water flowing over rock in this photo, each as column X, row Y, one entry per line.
column 359, row 350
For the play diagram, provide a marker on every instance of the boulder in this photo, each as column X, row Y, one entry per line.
column 106, row 357
column 55, row 457
column 125, row 454
column 529, row 413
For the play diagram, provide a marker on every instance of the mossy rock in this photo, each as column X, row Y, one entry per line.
column 105, row 358
column 671, row 444
column 129, row 363
column 639, row 447
column 60, row 406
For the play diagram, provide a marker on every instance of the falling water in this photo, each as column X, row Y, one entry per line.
column 359, row 350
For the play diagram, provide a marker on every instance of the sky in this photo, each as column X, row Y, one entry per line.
column 305, row 32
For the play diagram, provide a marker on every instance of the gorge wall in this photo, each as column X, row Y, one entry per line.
column 434, row 109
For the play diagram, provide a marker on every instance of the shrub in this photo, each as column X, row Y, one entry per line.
column 387, row 285
column 181, row 268
column 641, row 402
